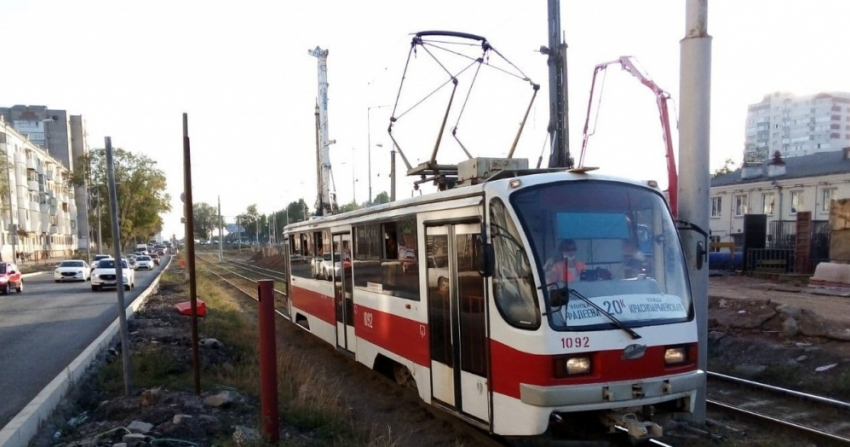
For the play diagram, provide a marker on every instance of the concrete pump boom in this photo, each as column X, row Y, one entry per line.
column 661, row 98
column 325, row 202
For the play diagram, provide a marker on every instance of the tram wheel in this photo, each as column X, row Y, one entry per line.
column 403, row 377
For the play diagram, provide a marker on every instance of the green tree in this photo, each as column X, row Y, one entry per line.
column 140, row 188
column 382, row 197
column 249, row 220
column 298, row 211
column 351, row 206
column 728, row 166
column 205, row 219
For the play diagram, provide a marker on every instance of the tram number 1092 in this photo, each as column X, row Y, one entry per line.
column 575, row 342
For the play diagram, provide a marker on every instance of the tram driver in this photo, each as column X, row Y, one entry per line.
column 564, row 268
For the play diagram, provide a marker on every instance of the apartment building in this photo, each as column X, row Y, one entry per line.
column 778, row 188
column 64, row 138
column 797, row 125
column 38, row 212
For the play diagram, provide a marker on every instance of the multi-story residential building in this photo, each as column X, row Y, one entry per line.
column 38, row 213
column 64, row 138
column 797, row 125
column 779, row 189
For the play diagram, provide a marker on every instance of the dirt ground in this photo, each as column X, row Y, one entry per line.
column 781, row 333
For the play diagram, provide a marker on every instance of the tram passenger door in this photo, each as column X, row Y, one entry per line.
column 458, row 320
column 343, row 291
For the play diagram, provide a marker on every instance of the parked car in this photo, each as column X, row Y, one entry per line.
column 144, row 262
column 104, row 275
column 10, row 278
column 72, row 270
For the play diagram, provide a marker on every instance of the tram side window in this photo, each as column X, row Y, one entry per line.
column 300, row 258
column 399, row 267
column 513, row 284
column 367, row 256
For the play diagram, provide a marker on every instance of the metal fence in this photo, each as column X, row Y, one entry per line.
column 782, row 235
column 770, row 260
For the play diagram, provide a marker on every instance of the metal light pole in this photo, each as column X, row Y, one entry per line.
column 220, row 234
column 190, row 252
column 369, row 145
column 119, row 269
column 694, row 122
column 392, row 174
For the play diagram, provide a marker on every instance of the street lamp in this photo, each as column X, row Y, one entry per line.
column 369, row 144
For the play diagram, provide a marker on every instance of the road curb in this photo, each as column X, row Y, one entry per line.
column 27, row 275
column 24, row 426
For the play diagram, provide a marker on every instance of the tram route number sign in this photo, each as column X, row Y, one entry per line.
column 637, row 307
column 368, row 320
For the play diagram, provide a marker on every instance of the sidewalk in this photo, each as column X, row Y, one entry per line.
column 42, row 265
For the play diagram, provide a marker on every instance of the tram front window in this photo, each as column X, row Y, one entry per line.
column 613, row 243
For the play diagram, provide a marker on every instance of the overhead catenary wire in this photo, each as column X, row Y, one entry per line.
column 396, row 118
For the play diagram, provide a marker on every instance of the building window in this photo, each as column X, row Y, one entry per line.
column 716, row 206
column 797, row 202
column 828, row 195
column 741, row 205
column 769, row 201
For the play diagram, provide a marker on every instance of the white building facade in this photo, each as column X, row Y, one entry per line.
column 778, row 189
column 38, row 213
column 797, row 125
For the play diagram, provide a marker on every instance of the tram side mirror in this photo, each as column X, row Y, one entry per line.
column 556, row 298
column 701, row 254
column 486, row 259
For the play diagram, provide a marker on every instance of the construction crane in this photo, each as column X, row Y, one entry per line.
column 661, row 97
column 325, row 201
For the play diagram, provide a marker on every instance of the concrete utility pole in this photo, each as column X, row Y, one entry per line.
column 559, row 128
column 694, row 124
column 119, row 269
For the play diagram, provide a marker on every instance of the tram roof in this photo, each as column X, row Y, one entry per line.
column 530, row 177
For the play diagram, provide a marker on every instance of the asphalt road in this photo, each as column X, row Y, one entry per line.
column 48, row 325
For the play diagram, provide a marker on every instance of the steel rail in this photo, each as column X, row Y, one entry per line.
column 237, row 274
column 762, row 417
column 801, row 395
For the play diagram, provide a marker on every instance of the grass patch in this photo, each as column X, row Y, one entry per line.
column 307, row 403
column 150, row 368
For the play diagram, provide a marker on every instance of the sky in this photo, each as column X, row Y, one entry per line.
column 242, row 72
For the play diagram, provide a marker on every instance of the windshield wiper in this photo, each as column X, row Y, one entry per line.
column 613, row 319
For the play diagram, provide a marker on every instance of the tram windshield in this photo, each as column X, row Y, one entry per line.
column 614, row 243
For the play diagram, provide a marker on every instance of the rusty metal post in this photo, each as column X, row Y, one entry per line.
column 190, row 252
column 268, row 360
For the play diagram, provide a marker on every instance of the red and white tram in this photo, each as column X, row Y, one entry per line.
column 471, row 296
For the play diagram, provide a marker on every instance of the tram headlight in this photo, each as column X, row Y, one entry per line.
column 675, row 356
column 572, row 366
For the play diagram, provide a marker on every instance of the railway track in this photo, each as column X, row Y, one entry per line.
column 229, row 273
column 819, row 419
column 237, row 281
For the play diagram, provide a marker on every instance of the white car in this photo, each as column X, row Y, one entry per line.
column 104, row 275
column 71, row 270
column 144, row 262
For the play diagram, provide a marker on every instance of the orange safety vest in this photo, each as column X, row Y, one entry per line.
column 561, row 273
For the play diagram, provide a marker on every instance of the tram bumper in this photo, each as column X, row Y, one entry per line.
column 629, row 393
